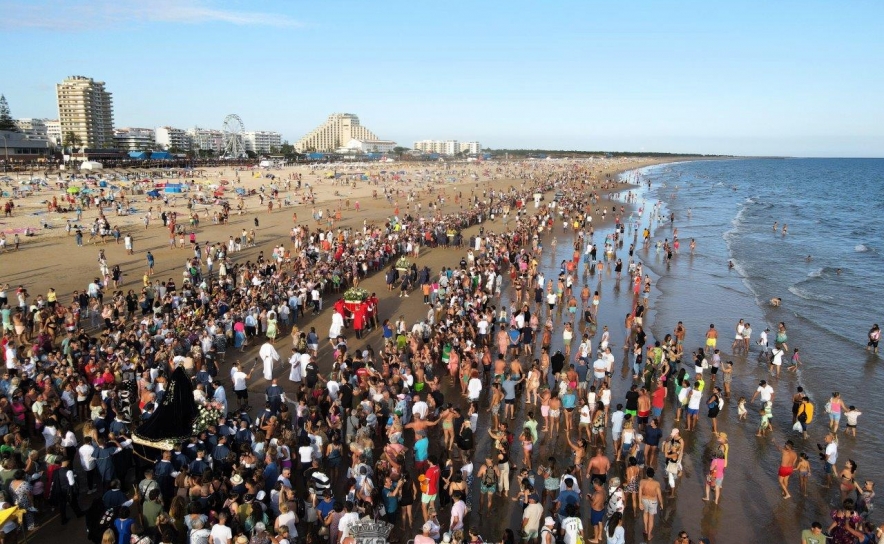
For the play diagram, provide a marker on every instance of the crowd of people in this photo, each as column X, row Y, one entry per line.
column 348, row 429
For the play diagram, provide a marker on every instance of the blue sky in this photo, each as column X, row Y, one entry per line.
column 765, row 78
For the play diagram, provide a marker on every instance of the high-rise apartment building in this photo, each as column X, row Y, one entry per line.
column 336, row 132
column 86, row 109
column 260, row 141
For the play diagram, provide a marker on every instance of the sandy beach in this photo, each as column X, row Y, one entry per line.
column 52, row 259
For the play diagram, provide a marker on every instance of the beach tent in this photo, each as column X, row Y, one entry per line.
column 174, row 188
column 91, row 165
column 160, row 156
column 153, row 193
column 138, row 155
column 73, row 190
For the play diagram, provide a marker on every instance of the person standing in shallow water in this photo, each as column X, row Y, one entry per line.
column 788, row 462
column 711, row 338
column 874, row 338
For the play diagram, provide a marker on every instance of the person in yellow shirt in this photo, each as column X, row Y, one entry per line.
column 52, row 298
column 805, row 414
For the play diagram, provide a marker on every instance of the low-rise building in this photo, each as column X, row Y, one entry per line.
column 447, row 147
column 21, row 147
column 134, row 139
column 369, row 146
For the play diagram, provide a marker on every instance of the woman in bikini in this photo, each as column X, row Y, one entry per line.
column 532, row 383
column 555, row 411
column 527, row 446
column 579, row 450
column 545, row 396
column 848, row 479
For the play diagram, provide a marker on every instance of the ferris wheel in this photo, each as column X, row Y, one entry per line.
column 234, row 147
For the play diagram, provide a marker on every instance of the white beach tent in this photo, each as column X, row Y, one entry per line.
column 91, row 165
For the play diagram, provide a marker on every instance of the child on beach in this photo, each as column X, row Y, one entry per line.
column 803, row 468
column 795, row 361
column 742, row 413
column 766, row 415
column 851, row 414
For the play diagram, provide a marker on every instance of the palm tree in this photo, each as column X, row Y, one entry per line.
column 72, row 141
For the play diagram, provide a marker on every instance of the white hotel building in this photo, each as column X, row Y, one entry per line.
column 170, row 137
column 447, row 147
column 260, row 141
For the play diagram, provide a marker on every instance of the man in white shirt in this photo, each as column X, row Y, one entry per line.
column 571, row 525
column 347, row 520
column 221, row 533
column 531, row 517
column 765, row 391
column 87, row 461
column 333, row 388
column 762, row 341
column 831, row 458
column 316, row 300
column 458, row 511
column 240, row 386
column 482, row 329
column 419, row 408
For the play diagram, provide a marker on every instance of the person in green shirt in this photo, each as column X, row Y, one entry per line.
column 152, row 508
column 814, row 535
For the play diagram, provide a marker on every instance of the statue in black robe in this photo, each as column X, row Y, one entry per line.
column 173, row 419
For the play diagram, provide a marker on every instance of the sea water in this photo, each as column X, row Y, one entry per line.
column 825, row 268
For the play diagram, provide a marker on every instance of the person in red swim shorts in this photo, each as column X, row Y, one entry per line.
column 787, row 464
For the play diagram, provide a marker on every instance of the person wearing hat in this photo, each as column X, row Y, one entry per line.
column 424, row 537
column 673, row 450
column 531, row 517
column 547, row 535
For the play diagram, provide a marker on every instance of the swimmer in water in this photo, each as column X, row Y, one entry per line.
column 785, row 227
column 775, row 226
column 730, row 264
column 775, row 302
column 838, row 271
column 807, row 259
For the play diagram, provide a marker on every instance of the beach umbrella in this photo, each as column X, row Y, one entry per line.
column 73, row 190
